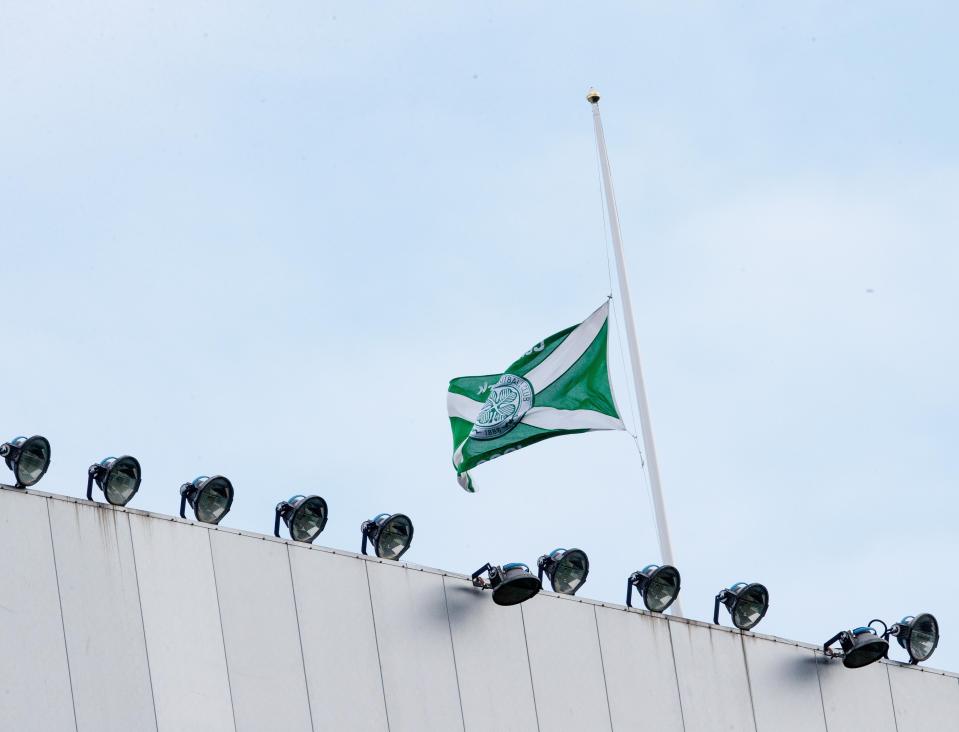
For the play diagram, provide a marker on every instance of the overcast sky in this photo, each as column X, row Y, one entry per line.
column 257, row 239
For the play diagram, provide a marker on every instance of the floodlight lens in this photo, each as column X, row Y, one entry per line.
column 518, row 585
column 923, row 637
column 33, row 461
column 213, row 500
column 662, row 589
column 309, row 519
column 750, row 606
column 122, row 480
column 516, row 591
column 866, row 648
column 395, row 537
column 570, row 572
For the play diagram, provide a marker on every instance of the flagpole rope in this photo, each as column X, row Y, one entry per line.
column 642, row 458
column 622, row 360
column 602, row 208
column 619, row 339
column 649, row 488
column 635, row 435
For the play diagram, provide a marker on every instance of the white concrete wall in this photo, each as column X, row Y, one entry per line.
column 114, row 619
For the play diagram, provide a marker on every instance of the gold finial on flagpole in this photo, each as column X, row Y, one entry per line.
column 592, row 96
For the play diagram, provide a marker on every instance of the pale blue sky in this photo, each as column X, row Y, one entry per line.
column 257, row 239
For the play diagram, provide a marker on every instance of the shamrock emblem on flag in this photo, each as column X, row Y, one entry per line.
column 500, row 405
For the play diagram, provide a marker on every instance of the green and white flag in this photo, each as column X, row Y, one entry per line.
column 558, row 387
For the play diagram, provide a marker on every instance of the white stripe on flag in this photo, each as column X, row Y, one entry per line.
column 466, row 481
column 568, row 352
column 548, row 418
column 458, row 453
column 462, row 406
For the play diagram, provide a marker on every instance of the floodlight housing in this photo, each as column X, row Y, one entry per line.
column 305, row 517
column 511, row 584
column 27, row 457
column 210, row 498
column 860, row 646
column 391, row 535
column 747, row 604
column 657, row 585
column 567, row 569
column 118, row 478
column 918, row 634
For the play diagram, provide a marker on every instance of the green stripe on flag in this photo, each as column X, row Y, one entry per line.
column 461, row 430
column 477, row 452
column 585, row 385
column 474, row 387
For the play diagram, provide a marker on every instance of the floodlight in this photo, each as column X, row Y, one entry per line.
column 27, row 457
column 567, row 569
column 391, row 535
column 658, row 586
column 860, row 646
column 919, row 635
column 511, row 584
column 304, row 516
column 118, row 478
column 210, row 498
column 747, row 604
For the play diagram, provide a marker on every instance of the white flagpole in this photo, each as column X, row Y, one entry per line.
column 665, row 548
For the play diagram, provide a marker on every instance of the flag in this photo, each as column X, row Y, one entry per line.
column 560, row 386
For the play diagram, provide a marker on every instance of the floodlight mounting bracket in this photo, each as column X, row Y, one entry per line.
column 541, row 566
column 365, row 529
column 894, row 630
column 633, row 581
column 10, row 453
column 276, row 524
column 721, row 597
column 827, row 651
column 478, row 581
column 184, row 490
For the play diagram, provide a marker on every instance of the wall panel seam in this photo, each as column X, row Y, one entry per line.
column 529, row 665
column 749, row 681
column 299, row 635
column 63, row 626
column 219, row 614
column 822, row 699
column 143, row 630
column 602, row 665
column 679, row 691
column 376, row 640
column 456, row 671
column 892, row 698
